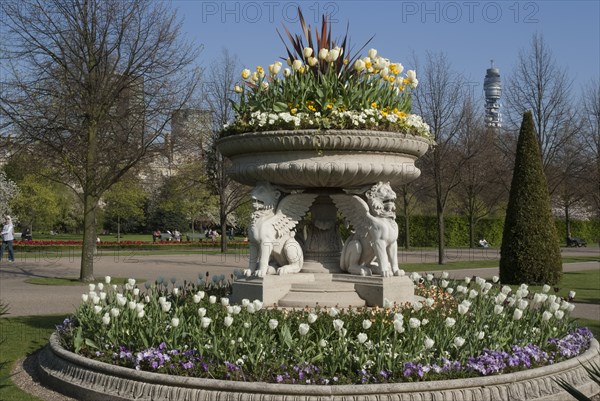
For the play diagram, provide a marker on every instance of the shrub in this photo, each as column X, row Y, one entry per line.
column 530, row 251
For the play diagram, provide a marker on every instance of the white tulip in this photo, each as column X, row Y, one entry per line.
column 372, row 53
column 307, row 51
column 362, row 338
column 131, row 305
column 287, row 72
column 359, row 65
column 228, row 321
column 559, row 314
column 323, row 343
column 459, row 341
column 481, row 335
column 92, row 286
column 107, row 279
column 518, row 313
column 338, row 324
column 106, row 319
column 303, row 329
column 495, row 279
column 131, row 281
column 323, row 53
column 201, row 312
column 275, row 68
column 224, row 301
column 414, row 323
column 429, row 302
column 176, row 291
column 450, row 322
column 139, row 308
column 257, row 304
column 273, row 323
column 166, row 306
column 297, row 64
column 212, row 299
column 366, row 324
column 141, row 314
column 444, row 283
column 445, row 275
column 114, row 312
column 312, row 61
column 312, row 318
column 136, row 292
column 500, row 298
column 398, row 326
column 196, row 298
column 333, row 54
column 236, row 309
column 417, row 306
column 428, row 343
column 571, row 294
column 546, row 316
column 473, row 294
column 333, row 312
column 97, row 309
column 462, row 309
column 205, row 322
column 498, row 309
column 84, row 297
column 506, row 290
column 522, row 304
column 175, row 322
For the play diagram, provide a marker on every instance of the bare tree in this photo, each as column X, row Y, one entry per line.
column 542, row 87
column 95, row 83
column 590, row 112
column 220, row 81
column 478, row 194
column 438, row 99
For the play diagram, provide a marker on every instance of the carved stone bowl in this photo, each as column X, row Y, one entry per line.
column 323, row 159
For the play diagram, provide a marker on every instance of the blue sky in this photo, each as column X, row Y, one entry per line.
column 471, row 33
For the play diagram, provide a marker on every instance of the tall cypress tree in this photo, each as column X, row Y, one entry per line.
column 530, row 251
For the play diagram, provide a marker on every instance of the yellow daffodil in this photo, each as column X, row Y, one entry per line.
column 374, row 105
column 238, row 89
column 246, row 73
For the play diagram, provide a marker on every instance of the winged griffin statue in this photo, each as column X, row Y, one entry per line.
column 372, row 247
column 273, row 248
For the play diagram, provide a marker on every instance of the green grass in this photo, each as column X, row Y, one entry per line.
column 585, row 283
column 75, row 281
column 21, row 336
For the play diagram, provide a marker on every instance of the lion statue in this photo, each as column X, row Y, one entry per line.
column 372, row 247
column 273, row 248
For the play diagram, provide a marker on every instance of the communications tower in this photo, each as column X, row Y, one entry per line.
column 493, row 90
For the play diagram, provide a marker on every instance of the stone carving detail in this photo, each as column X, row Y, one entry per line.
column 372, row 248
column 273, row 248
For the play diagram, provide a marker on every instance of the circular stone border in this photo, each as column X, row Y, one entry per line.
column 86, row 379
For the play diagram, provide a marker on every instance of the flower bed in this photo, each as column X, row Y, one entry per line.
column 60, row 245
column 462, row 329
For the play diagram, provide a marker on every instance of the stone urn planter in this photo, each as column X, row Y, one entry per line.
column 86, row 379
column 323, row 159
column 332, row 165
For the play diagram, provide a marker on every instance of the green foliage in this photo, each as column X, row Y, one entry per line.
column 37, row 203
column 125, row 202
column 588, row 230
column 530, row 250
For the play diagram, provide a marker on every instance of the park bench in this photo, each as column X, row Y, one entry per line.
column 195, row 236
column 166, row 237
column 575, row 242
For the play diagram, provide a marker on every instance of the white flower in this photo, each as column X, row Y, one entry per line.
column 506, row 290
column 411, row 76
column 175, row 321
column 97, row 309
column 312, row 318
column 429, row 277
column 399, row 326
column 359, row 65
column 361, row 337
column 559, row 314
column 517, row 314
column 224, row 301
column 95, row 299
column 205, row 322
column 498, row 309
column 323, row 53
column 297, row 64
column 450, row 290
column 131, row 305
column 227, row 321
column 546, row 288
column 429, row 302
column 201, row 312
column 366, row 324
column 114, row 312
column 450, row 322
column 495, row 279
column 273, row 323
column 500, row 298
column 264, row 85
column 303, row 329
column 522, row 304
column 333, row 312
column 307, row 51
column 467, row 280
column 196, row 298
column 414, row 323
column 445, row 275
column 275, row 68
column 463, row 307
column 338, row 324
column 236, row 309
column 166, row 306
column 417, row 306
column 92, row 286
column 428, row 343
column 106, row 319
column 458, row 342
column 287, row 72
column 372, row 53
column 323, row 343
column 444, row 283
column 553, row 307
column 480, row 281
column 546, row 316
column 84, row 297
column 212, row 299
column 136, row 292
column 139, row 307
column 238, row 89
column 121, row 300
column 481, row 335
column 312, row 61
column 141, row 314
column 333, row 54
column 246, row 73
column 131, row 282
column 251, row 309
column 107, row 279
column 571, row 294
column 247, row 325
column 473, row 294
column 257, row 304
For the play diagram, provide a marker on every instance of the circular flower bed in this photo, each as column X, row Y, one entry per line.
column 461, row 329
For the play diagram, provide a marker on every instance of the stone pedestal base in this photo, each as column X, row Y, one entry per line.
column 308, row 289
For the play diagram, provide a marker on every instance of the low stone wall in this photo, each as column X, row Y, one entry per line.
column 89, row 380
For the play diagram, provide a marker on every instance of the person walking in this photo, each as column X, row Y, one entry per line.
column 7, row 239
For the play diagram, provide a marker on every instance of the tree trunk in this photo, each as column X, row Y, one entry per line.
column 406, row 219
column 223, row 221
column 441, row 230
column 118, row 228
column 567, row 221
column 471, row 230
column 89, row 239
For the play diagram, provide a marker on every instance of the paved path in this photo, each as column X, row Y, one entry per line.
column 27, row 299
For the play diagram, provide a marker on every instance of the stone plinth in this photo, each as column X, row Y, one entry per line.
column 268, row 289
column 375, row 290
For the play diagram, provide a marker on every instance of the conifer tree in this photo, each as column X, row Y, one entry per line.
column 530, row 251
